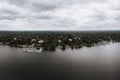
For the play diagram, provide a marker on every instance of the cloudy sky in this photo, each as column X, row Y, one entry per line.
column 59, row 14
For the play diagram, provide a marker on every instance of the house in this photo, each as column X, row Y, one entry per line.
column 70, row 40
column 15, row 39
column 79, row 38
column 59, row 41
column 33, row 40
column 41, row 41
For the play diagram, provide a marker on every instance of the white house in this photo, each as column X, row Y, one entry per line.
column 15, row 39
column 59, row 41
column 33, row 40
column 41, row 41
column 70, row 40
column 79, row 38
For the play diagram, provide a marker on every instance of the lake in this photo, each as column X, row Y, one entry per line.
column 88, row 63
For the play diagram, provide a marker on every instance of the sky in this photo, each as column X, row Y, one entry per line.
column 59, row 15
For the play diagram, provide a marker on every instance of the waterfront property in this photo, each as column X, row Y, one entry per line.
column 50, row 40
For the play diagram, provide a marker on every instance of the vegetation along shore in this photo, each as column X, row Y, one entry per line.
column 50, row 40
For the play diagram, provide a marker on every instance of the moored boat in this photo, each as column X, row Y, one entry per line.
column 32, row 50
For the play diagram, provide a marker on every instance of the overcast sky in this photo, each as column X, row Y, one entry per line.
column 59, row 14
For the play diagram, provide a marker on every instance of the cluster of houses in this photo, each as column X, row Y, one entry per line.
column 42, row 41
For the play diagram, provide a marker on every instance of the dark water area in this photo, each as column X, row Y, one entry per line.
column 93, row 63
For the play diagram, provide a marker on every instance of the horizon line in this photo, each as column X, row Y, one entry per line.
column 57, row 30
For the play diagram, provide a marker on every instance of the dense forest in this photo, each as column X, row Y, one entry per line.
column 50, row 40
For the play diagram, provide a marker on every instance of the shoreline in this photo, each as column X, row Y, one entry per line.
column 65, row 46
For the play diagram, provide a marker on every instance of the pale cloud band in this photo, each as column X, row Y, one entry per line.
column 59, row 14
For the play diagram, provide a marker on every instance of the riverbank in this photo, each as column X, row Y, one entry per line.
column 52, row 40
column 62, row 47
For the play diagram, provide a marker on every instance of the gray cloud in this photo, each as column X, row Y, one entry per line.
column 11, row 12
column 16, row 2
column 59, row 14
column 42, row 7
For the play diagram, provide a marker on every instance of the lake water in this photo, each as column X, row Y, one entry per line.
column 93, row 63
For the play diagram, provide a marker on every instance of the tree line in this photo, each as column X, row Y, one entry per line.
column 50, row 40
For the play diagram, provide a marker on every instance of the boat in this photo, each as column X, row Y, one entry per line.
column 32, row 50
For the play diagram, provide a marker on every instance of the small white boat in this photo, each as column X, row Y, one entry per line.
column 32, row 50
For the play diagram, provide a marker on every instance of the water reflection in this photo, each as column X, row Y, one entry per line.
column 93, row 63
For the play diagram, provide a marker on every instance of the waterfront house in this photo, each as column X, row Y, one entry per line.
column 59, row 41
column 70, row 40
column 41, row 41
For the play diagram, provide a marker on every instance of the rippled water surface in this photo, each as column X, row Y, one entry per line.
column 93, row 63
